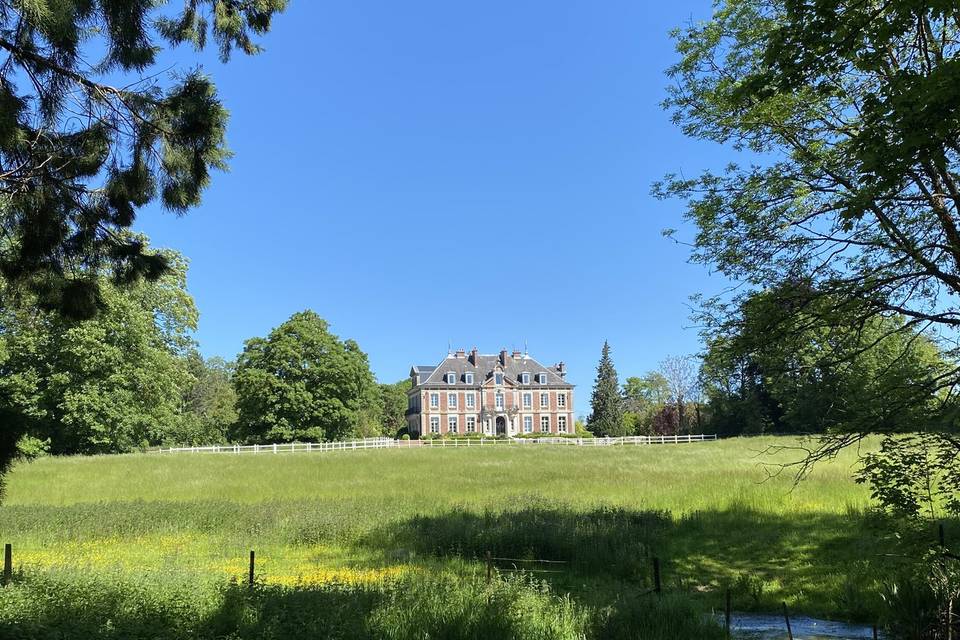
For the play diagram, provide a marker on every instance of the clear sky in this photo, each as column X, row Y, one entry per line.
column 427, row 171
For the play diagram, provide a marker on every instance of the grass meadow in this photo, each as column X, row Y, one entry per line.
column 392, row 543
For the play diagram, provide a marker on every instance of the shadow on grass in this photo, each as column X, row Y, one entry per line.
column 71, row 607
column 822, row 564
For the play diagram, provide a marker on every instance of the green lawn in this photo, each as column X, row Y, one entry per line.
column 335, row 525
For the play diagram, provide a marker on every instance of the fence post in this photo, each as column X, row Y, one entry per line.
column 786, row 616
column 252, row 562
column 656, row 576
column 7, row 563
column 489, row 567
column 726, row 614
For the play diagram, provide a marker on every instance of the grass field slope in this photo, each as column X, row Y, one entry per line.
column 394, row 543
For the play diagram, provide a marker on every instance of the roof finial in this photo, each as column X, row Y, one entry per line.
column 449, row 346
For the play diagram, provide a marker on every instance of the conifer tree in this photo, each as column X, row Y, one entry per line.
column 606, row 404
column 91, row 131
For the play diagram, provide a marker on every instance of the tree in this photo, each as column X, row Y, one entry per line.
column 606, row 404
column 393, row 400
column 680, row 372
column 850, row 112
column 209, row 404
column 104, row 385
column 90, row 131
column 818, row 381
column 303, row 383
column 643, row 398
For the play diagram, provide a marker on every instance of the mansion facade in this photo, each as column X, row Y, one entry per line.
column 507, row 394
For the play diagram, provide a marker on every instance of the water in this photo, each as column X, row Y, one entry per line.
column 748, row 626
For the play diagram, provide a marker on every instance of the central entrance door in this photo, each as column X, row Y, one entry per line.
column 501, row 426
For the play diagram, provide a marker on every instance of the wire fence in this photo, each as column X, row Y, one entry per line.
column 389, row 443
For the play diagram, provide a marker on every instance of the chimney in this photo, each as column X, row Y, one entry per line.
column 473, row 356
column 516, row 354
column 461, row 353
column 503, row 357
column 562, row 369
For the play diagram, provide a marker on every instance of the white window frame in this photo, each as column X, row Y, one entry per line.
column 499, row 402
column 525, row 377
column 561, row 400
column 528, row 424
column 470, row 400
column 452, row 425
column 542, row 420
column 528, row 400
column 545, row 395
column 498, row 379
column 452, row 397
column 434, row 400
column 451, row 377
column 561, row 424
column 468, row 378
column 471, row 424
column 434, row 424
column 542, row 378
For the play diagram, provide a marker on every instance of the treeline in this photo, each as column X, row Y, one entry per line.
column 132, row 377
column 821, row 377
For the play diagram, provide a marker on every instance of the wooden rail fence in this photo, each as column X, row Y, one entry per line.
column 389, row 443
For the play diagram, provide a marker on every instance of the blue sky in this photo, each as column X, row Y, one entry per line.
column 427, row 171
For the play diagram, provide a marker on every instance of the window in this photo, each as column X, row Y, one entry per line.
column 562, row 424
column 434, row 400
column 468, row 378
column 542, row 378
column 451, row 377
column 544, row 400
column 545, row 424
column 434, row 424
column 525, row 378
column 486, row 426
column 528, row 401
column 451, row 401
column 471, row 424
column 528, row 424
column 498, row 400
column 471, row 399
column 498, row 378
column 452, row 424
column 562, row 400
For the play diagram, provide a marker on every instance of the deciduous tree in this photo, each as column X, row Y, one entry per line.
column 303, row 383
column 849, row 114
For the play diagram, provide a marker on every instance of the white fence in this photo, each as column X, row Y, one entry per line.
column 388, row 443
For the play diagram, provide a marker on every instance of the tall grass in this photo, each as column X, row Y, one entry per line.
column 331, row 526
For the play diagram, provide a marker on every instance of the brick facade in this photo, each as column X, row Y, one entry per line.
column 507, row 394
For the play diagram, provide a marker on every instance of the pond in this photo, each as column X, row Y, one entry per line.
column 748, row 626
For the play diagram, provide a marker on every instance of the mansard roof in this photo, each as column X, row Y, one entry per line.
column 485, row 367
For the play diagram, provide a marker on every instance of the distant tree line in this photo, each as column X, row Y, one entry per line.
column 816, row 381
column 132, row 377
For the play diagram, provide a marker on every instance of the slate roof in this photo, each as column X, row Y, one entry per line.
column 484, row 368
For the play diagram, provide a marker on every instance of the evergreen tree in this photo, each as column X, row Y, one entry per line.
column 606, row 404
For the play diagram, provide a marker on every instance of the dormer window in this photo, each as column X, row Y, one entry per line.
column 542, row 378
column 468, row 378
column 451, row 377
column 525, row 378
column 498, row 378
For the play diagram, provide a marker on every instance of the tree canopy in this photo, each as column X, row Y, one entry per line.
column 848, row 115
column 107, row 384
column 303, row 383
column 90, row 131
